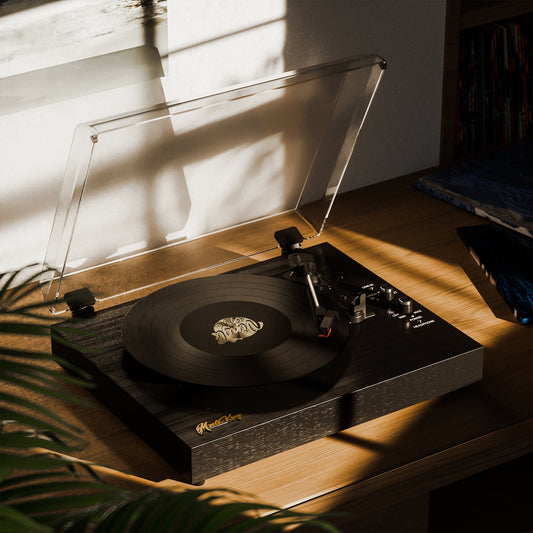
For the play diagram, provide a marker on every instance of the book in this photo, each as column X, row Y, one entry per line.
column 497, row 186
column 494, row 85
column 506, row 257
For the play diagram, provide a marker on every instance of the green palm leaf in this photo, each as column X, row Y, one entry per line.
column 14, row 521
column 21, row 355
column 31, row 462
column 11, row 292
column 193, row 510
column 18, row 402
column 44, row 492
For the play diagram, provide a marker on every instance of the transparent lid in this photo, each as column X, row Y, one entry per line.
column 158, row 194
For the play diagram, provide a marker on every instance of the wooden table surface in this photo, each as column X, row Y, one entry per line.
column 383, row 470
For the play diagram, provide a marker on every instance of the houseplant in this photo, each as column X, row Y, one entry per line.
column 44, row 489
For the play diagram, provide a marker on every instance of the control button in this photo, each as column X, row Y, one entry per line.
column 387, row 292
column 406, row 305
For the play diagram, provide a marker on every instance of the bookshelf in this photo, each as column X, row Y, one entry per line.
column 462, row 18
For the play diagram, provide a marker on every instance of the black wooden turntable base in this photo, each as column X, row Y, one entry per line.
column 399, row 356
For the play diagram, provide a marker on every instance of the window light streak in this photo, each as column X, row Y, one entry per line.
column 418, row 273
column 239, row 31
column 231, row 16
column 235, row 41
column 402, row 261
column 27, row 43
column 351, row 455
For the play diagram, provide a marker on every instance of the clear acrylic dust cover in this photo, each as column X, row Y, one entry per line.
column 158, row 194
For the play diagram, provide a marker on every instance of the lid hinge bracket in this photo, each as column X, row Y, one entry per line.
column 81, row 302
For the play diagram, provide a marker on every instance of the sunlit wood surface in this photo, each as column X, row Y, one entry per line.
column 382, row 470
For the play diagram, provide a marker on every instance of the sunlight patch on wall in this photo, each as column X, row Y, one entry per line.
column 36, row 35
column 213, row 45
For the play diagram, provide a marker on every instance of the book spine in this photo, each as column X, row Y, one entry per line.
column 494, row 89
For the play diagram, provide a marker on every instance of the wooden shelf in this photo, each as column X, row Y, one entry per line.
column 477, row 13
column 463, row 15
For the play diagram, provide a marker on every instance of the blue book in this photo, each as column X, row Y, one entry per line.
column 506, row 257
column 497, row 186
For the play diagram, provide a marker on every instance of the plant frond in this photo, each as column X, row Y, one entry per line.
column 25, row 354
column 47, row 387
column 56, row 487
column 43, row 491
column 11, row 327
column 13, row 400
column 16, row 367
column 15, row 521
column 46, row 356
column 10, row 462
column 9, row 416
column 7, row 282
column 31, row 307
column 16, row 480
column 34, row 439
column 191, row 510
column 53, row 506
column 10, row 293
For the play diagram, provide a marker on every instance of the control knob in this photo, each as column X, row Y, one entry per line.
column 406, row 305
column 387, row 293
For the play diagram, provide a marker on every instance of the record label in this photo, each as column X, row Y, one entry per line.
column 235, row 328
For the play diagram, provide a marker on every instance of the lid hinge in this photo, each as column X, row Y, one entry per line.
column 81, row 302
column 289, row 239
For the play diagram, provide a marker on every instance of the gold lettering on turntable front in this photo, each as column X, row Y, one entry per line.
column 208, row 426
column 235, row 328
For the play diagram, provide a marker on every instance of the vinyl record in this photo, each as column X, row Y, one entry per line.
column 230, row 330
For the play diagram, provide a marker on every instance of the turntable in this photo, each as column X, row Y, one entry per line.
column 212, row 324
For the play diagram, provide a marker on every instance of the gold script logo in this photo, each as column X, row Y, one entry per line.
column 235, row 328
column 208, row 426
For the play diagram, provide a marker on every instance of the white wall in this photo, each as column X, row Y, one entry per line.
column 402, row 131
column 211, row 45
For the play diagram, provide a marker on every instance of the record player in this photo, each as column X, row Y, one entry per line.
column 213, row 324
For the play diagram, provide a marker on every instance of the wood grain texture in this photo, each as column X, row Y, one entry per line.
column 409, row 239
